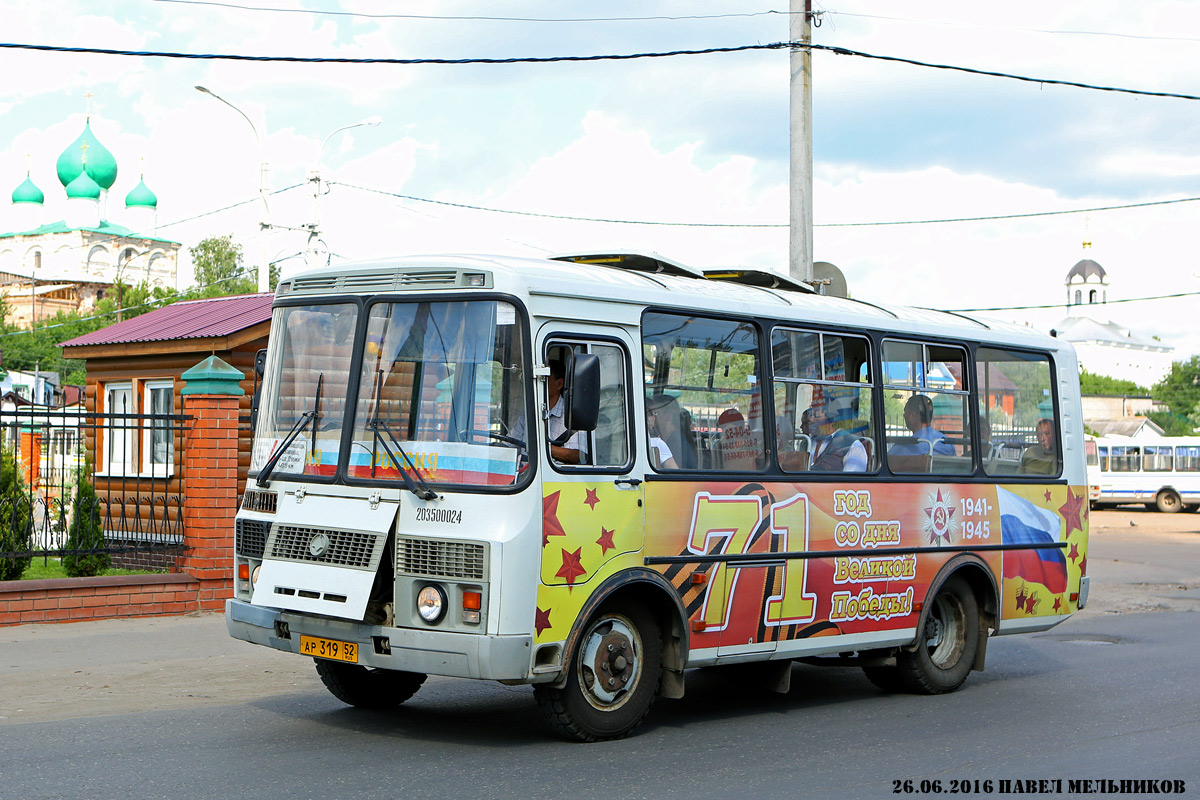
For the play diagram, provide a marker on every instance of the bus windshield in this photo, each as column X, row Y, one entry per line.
column 440, row 386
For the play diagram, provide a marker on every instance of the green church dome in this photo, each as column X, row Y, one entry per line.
column 101, row 166
column 83, row 187
column 141, row 196
column 28, row 192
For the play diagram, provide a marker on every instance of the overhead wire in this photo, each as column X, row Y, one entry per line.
column 665, row 223
column 143, row 234
column 958, row 24
column 1060, row 305
column 576, row 59
column 159, row 303
column 477, row 18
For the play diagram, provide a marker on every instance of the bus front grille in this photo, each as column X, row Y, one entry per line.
column 250, row 537
column 436, row 558
column 357, row 549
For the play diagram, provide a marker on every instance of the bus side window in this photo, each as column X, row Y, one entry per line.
column 608, row 445
column 703, row 383
column 822, row 389
column 1015, row 402
column 926, row 408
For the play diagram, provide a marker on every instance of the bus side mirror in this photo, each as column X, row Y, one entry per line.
column 260, row 369
column 582, row 391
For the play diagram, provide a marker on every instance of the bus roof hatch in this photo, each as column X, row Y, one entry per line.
column 638, row 262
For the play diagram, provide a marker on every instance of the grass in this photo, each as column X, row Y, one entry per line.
column 42, row 569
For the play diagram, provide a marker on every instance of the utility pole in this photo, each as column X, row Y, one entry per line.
column 800, row 253
column 311, row 254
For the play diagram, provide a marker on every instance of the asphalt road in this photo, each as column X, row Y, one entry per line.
column 172, row 708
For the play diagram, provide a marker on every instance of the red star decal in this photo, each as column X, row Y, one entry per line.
column 572, row 566
column 606, row 540
column 591, row 499
column 1083, row 566
column 1047, row 495
column 541, row 620
column 1074, row 554
column 1071, row 510
column 1058, row 604
column 1021, row 597
column 1031, row 603
column 550, row 524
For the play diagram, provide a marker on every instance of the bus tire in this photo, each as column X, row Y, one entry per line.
column 613, row 677
column 1168, row 501
column 946, row 650
column 366, row 687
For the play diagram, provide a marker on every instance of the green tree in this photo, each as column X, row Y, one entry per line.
column 217, row 262
column 15, row 517
column 1172, row 424
column 1090, row 383
column 1180, row 390
column 85, row 533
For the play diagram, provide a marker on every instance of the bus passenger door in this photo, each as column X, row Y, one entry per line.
column 592, row 511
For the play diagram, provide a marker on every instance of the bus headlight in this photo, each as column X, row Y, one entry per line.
column 431, row 604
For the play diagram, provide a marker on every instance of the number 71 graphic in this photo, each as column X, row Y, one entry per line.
column 732, row 519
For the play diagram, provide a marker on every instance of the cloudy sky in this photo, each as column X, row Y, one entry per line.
column 697, row 139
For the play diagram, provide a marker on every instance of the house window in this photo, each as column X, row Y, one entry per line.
column 117, row 458
column 157, row 445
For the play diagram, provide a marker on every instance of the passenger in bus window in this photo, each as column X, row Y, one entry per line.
column 1041, row 458
column 834, row 448
column 574, row 449
column 660, row 454
column 672, row 429
column 918, row 416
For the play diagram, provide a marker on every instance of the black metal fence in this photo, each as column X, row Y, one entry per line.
column 74, row 483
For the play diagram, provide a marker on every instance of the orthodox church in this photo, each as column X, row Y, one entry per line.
column 67, row 265
column 1107, row 348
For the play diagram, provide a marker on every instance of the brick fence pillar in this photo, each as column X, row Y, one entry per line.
column 210, row 464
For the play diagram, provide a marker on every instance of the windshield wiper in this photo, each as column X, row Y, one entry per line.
column 265, row 473
column 418, row 487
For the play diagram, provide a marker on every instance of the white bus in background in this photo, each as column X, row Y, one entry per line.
column 1161, row 473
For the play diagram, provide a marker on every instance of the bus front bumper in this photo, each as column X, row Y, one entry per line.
column 458, row 655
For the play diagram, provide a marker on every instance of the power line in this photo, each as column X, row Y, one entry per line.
column 569, row 218
column 957, row 24
column 159, row 303
column 144, row 235
column 1061, row 305
column 1005, row 216
column 610, row 57
column 557, row 216
column 988, row 73
column 472, row 18
column 401, row 61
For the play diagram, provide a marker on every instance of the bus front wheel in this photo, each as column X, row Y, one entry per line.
column 365, row 687
column 613, row 678
column 946, row 650
column 1168, row 501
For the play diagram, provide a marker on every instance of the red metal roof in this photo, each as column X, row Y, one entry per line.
column 189, row 319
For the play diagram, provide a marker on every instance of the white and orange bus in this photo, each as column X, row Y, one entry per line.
column 592, row 473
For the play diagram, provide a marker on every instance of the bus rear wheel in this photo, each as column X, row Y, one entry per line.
column 1168, row 501
column 366, row 687
column 612, row 681
column 946, row 651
